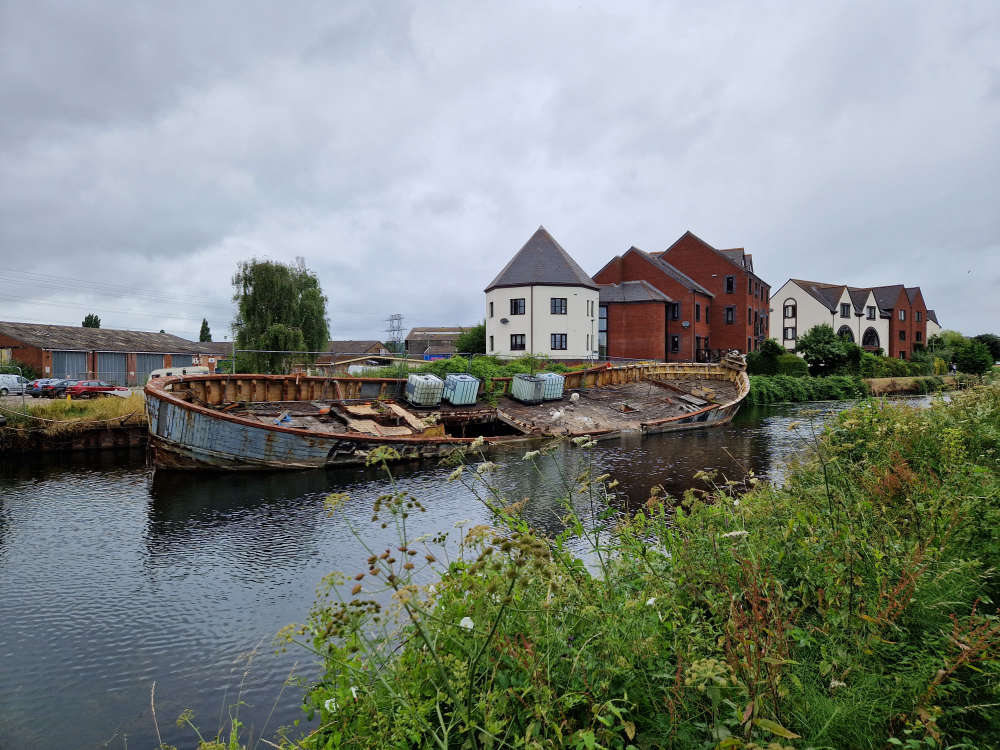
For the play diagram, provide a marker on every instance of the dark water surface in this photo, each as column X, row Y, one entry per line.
column 113, row 577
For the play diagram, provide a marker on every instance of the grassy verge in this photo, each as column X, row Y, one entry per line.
column 852, row 607
column 772, row 389
column 61, row 417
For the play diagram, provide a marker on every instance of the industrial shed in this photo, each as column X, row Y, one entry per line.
column 117, row 357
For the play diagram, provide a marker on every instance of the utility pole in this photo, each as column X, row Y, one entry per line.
column 395, row 331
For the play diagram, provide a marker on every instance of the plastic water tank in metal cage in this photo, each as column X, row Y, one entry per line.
column 553, row 385
column 424, row 390
column 460, row 390
column 528, row 389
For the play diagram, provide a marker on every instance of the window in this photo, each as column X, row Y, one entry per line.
column 902, row 314
column 845, row 309
column 902, row 335
column 602, row 331
column 697, row 312
column 697, row 343
column 517, row 306
column 917, row 336
column 675, row 344
column 675, row 310
column 749, row 288
column 845, row 333
column 558, row 305
column 708, row 310
column 749, row 316
column 491, row 340
column 491, row 309
column 870, row 339
column 558, row 340
column 517, row 341
column 919, row 315
column 871, row 312
column 789, row 308
column 730, row 315
column 588, row 342
column 790, row 334
column 730, row 284
column 902, row 355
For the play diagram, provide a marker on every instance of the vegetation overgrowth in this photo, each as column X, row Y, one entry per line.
column 854, row 606
column 765, row 389
column 61, row 418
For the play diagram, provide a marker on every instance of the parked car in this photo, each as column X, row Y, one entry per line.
column 57, row 388
column 12, row 385
column 34, row 388
column 95, row 388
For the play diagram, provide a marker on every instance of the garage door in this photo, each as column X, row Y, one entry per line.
column 111, row 368
column 145, row 364
column 69, row 364
column 181, row 360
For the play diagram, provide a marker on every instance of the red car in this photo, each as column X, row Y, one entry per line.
column 95, row 388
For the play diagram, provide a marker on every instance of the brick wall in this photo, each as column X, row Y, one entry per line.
column 29, row 355
column 637, row 330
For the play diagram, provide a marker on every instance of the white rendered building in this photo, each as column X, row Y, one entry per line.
column 542, row 303
column 852, row 312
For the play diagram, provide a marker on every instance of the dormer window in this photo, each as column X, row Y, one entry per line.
column 871, row 312
column 845, row 309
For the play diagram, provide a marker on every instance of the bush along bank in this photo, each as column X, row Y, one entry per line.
column 852, row 607
column 772, row 389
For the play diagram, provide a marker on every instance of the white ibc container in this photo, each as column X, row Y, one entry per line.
column 460, row 390
column 424, row 390
column 553, row 385
column 528, row 389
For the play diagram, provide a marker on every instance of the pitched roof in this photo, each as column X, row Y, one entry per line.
column 671, row 271
column 827, row 294
column 432, row 333
column 352, row 347
column 886, row 296
column 542, row 260
column 736, row 255
column 912, row 292
column 931, row 315
column 632, row 291
column 97, row 339
column 858, row 297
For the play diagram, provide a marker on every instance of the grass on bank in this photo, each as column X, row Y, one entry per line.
column 853, row 607
column 59, row 416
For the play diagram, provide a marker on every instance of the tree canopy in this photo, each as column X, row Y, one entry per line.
column 992, row 342
column 473, row 341
column 91, row 321
column 280, row 308
column 824, row 350
column 206, row 332
column 973, row 357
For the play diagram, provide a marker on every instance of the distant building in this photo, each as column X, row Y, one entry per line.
column 892, row 318
column 429, row 340
column 341, row 351
column 933, row 326
column 118, row 357
column 542, row 302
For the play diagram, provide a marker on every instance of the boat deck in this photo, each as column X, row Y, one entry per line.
column 617, row 408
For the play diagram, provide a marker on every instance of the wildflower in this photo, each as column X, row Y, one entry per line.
column 735, row 534
column 455, row 474
column 531, row 455
column 651, row 601
column 463, row 522
column 736, row 503
column 835, row 683
column 478, row 442
column 485, row 467
column 330, row 704
column 467, row 623
column 581, row 440
column 354, row 692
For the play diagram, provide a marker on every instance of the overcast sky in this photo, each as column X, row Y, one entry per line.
column 407, row 150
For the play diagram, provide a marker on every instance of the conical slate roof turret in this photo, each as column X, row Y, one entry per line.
column 542, row 261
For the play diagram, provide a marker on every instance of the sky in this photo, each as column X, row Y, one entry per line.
column 406, row 150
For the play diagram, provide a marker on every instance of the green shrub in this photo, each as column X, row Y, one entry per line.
column 783, row 388
column 792, row 365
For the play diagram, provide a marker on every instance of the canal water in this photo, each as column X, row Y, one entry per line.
column 113, row 577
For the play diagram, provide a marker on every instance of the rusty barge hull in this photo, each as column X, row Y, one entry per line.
column 226, row 422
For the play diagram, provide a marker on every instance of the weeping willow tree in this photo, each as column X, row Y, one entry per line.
column 280, row 308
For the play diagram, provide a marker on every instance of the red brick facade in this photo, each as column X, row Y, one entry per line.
column 635, row 332
column 728, row 274
column 909, row 333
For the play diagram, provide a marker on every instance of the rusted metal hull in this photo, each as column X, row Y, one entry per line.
column 187, row 431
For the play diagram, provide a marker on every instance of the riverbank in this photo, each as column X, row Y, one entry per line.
column 844, row 608
column 81, row 424
column 776, row 389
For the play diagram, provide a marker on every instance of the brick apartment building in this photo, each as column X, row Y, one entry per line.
column 713, row 301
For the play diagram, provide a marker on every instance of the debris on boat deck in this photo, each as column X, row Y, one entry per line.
column 616, row 408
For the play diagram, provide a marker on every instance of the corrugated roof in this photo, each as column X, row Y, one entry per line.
column 439, row 333
column 672, row 272
column 632, row 291
column 542, row 260
column 97, row 339
column 352, row 347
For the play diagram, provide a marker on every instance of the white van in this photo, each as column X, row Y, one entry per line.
column 12, row 385
column 169, row 372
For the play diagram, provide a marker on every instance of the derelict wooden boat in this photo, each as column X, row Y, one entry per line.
column 245, row 422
